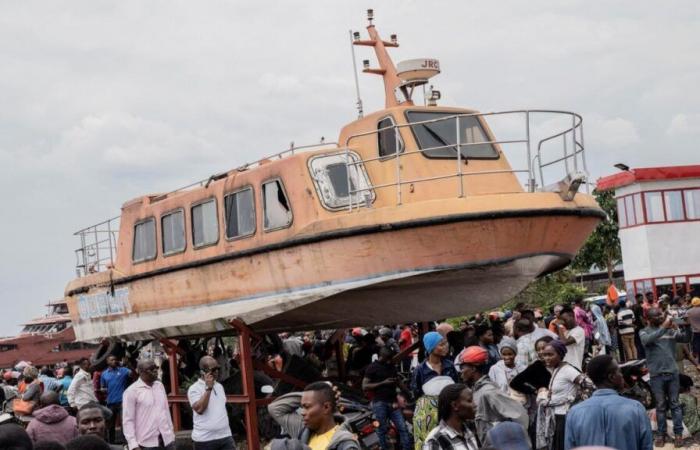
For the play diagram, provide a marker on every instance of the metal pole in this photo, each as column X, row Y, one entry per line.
column 459, row 156
column 109, row 240
column 530, row 168
column 174, row 385
column 573, row 141
column 347, row 176
column 360, row 112
column 398, row 165
column 251, row 410
column 583, row 157
column 566, row 155
column 97, row 248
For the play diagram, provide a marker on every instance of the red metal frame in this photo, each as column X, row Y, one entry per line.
column 645, row 220
column 647, row 174
column 675, row 281
column 247, row 398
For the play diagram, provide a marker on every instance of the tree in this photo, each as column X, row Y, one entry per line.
column 602, row 249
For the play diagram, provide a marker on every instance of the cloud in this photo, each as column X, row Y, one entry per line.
column 684, row 125
column 613, row 132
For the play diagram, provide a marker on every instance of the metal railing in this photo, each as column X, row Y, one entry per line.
column 98, row 243
column 569, row 137
column 98, row 247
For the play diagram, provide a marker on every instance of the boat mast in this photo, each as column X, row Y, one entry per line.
column 392, row 83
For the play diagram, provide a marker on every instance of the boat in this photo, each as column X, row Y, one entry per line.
column 415, row 213
column 45, row 341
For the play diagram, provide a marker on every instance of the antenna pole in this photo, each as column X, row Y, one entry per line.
column 360, row 112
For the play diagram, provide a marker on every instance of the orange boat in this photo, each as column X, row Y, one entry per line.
column 415, row 214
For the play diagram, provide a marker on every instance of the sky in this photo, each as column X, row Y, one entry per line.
column 104, row 101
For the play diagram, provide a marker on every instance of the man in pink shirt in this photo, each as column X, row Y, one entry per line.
column 146, row 417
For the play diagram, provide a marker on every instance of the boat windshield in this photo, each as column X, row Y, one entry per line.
column 439, row 140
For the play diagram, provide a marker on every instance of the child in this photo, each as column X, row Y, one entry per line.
column 506, row 369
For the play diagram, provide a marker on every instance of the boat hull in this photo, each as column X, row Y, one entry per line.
column 409, row 271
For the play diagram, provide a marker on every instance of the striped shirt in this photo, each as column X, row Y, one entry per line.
column 625, row 320
column 444, row 437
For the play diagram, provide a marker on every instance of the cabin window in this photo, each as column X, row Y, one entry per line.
column 173, row 228
column 386, row 138
column 621, row 213
column 240, row 213
column 144, row 240
column 205, row 226
column 439, row 139
column 276, row 210
column 331, row 175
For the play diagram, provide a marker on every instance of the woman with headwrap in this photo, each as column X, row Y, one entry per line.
column 566, row 386
column 503, row 372
column 601, row 332
column 436, row 364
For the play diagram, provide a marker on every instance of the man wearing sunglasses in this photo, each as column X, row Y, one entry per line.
column 210, row 428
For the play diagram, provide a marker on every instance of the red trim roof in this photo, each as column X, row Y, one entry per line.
column 632, row 176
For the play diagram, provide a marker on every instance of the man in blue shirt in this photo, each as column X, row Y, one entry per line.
column 607, row 419
column 114, row 380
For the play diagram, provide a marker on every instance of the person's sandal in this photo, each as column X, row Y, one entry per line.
column 678, row 442
column 659, row 441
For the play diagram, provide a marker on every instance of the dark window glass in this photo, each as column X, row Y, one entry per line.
column 441, row 136
column 240, row 213
column 173, row 229
column 338, row 174
column 205, row 226
column 144, row 240
column 277, row 213
column 387, row 138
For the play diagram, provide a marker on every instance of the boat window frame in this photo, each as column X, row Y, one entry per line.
column 184, row 231
column 262, row 201
column 448, row 114
column 397, row 130
column 216, row 215
column 358, row 159
column 155, row 237
column 255, row 213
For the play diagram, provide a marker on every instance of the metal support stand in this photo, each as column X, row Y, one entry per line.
column 246, row 362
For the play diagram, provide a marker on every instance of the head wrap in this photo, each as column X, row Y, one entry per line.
column 444, row 328
column 475, row 355
column 695, row 301
column 7, row 375
column 558, row 308
column 508, row 342
column 60, row 372
column 558, row 347
column 431, row 340
column 357, row 332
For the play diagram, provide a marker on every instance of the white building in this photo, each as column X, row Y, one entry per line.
column 659, row 216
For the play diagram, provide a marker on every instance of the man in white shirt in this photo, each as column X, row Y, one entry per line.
column 81, row 391
column 210, row 428
column 573, row 336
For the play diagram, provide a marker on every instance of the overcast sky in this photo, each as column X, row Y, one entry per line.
column 103, row 101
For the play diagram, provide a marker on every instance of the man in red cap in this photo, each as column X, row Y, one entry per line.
column 492, row 405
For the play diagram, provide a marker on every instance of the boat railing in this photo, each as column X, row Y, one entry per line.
column 98, row 247
column 529, row 151
column 98, row 243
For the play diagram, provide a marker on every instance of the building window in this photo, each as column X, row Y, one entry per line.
column 621, row 214
column 144, row 240
column 386, row 139
column 674, row 205
column 205, row 226
column 173, row 229
column 655, row 207
column 692, row 204
column 240, row 213
column 276, row 210
column 629, row 210
column 638, row 208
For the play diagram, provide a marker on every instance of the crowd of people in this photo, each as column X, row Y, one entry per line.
column 520, row 379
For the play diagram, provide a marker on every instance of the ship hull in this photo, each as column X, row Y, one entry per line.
column 409, row 271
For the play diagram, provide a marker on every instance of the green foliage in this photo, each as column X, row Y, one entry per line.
column 602, row 249
column 552, row 289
